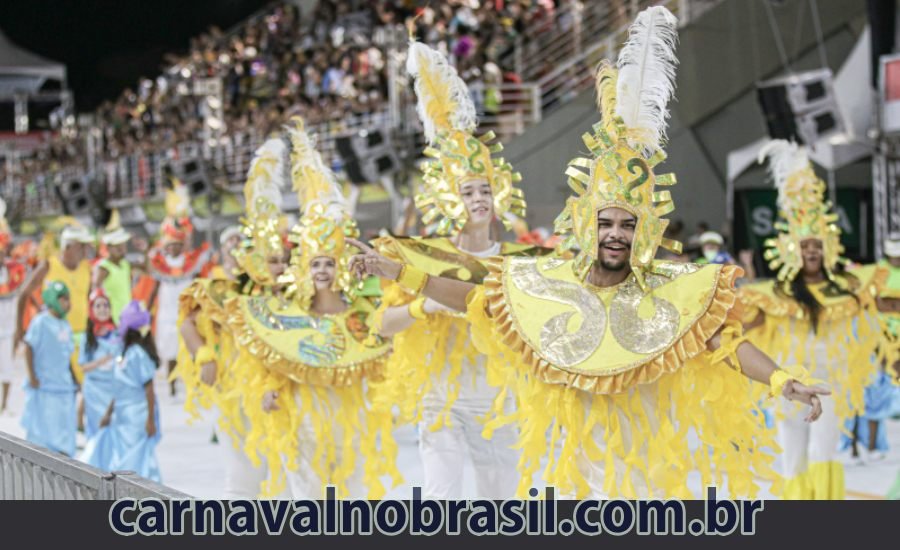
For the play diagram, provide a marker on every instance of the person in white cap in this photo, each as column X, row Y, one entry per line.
column 69, row 266
column 113, row 272
column 712, row 245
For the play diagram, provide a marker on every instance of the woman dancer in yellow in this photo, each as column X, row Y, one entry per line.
column 435, row 374
column 204, row 363
column 307, row 356
column 814, row 316
column 617, row 356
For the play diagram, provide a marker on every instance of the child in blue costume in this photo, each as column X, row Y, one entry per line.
column 99, row 347
column 49, row 417
column 130, row 429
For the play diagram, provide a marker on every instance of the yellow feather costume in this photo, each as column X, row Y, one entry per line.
column 840, row 350
column 205, row 298
column 620, row 377
column 318, row 364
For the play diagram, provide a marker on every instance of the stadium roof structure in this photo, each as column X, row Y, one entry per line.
column 25, row 71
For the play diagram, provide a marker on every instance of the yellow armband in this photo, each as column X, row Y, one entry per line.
column 417, row 309
column 412, row 279
column 204, row 355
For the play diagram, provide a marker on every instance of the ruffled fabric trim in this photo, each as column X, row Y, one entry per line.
column 690, row 344
column 699, row 393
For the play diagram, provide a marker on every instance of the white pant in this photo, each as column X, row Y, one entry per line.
column 304, row 482
column 804, row 443
column 593, row 472
column 444, row 451
column 7, row 363
column 242, row 479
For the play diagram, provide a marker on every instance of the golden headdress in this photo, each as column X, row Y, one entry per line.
column 804, row 211
column 177, row 224
column 454, row 154
column 264, row 223
column 625, row 146
column 326, row 220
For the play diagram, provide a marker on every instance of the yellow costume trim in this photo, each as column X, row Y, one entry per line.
column 822, row 481
column 707, row 397
column 416, row 309
column 330, row 394
column 204, row 355
column 848, row 329
column 204, row 300
column 425, row 354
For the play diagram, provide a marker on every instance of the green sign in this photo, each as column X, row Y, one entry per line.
column 756, row 214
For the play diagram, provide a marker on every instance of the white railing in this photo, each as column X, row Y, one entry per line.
column 576, row 74
column 30, row 472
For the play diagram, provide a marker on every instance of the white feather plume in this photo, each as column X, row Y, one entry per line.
column 646, row 79
column 2, row 209
column 444, row 102
column 785, row 158
column 266, row 176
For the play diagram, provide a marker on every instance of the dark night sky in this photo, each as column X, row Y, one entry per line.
column 107, row 44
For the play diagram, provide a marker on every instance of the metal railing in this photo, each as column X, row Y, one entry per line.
column 571, row 77
column 30, row 472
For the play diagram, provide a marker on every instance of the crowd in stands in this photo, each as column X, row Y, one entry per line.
column 325, row 65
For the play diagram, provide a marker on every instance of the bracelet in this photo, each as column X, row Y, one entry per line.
column 777, row 382
column 204, row 355
column 416, row 308
column 412, row 279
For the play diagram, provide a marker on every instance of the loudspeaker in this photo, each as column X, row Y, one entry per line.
column 191, row 171
column 74, row 194
column 800, row 107
column 367, row 155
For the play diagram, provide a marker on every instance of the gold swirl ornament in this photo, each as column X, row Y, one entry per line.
column 633, row 331
column 557, row 344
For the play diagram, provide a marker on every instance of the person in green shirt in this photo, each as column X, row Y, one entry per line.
column 113, row 273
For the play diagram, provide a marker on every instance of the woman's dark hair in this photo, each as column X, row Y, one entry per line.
column 808, row 301
column 90, row 340
column 133, row 337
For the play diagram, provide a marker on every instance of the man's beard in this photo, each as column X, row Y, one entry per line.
column 609, row 266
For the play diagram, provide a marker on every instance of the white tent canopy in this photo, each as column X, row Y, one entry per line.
column 25, row 71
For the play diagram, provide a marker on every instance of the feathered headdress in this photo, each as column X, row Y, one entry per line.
column 114, row 233
column 263, row 223
column 625, row 146
column 455, row 155
column 804, row 211
column 326, row 220
column 177, row 227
